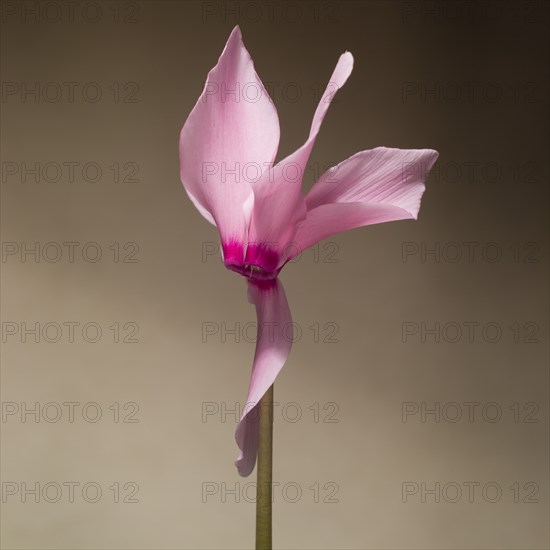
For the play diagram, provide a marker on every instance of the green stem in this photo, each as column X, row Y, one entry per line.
column 265, row 472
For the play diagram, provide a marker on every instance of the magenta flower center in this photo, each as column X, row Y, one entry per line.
column 260, row 263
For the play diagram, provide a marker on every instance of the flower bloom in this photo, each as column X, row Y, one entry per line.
column 227, row 150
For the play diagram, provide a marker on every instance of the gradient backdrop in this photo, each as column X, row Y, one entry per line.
column 413, row 410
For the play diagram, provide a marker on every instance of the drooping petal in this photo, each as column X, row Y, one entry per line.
column 278, row 202
column 231, row 133
column 375, row 186
column 273, row 343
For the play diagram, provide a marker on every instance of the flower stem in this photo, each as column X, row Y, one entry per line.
column 265, row 473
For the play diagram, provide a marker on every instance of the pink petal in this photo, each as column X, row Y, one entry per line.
column 233, row 127
column 375, row 186
column 278, row 200
column 273, row 344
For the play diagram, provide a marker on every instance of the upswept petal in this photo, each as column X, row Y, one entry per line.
column 278, row 201
column 374, row 186
column 231, row 132
column 273, row 343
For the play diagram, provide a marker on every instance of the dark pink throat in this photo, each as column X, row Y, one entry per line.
column 253, row 272
column 260, row 263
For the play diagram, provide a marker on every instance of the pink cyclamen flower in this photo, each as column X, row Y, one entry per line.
column 227, row 150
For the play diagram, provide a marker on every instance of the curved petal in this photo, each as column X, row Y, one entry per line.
column 278, row 202
column 273, row 345
column 231, row 133
column 375, row 186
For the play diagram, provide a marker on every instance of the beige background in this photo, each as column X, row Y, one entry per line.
column 368, row 292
